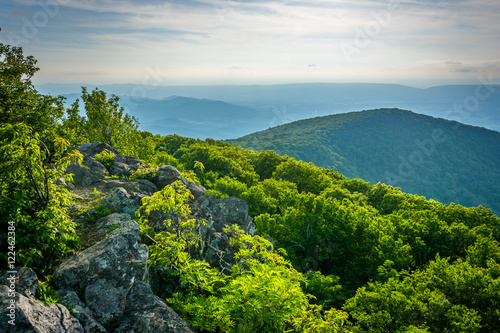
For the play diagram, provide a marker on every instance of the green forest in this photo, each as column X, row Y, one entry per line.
column 330, row 254
column 437, row 158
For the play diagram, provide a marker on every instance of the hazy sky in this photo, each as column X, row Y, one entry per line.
column 416, row 42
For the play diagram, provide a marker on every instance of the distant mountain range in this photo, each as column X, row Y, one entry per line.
column 234, row 111
column 440, row 159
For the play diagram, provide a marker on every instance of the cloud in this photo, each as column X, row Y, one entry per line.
column 452, row 62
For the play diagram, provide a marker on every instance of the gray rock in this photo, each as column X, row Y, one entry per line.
column 146, row 312
column 31, row 315
column 113, row 225
column 119, row 169
column 91, row 172
column 107, row 301
column 133, row 162
column 166, row 175
column 81, row 311
column 119, row 201
column 25, row 281
column 196, row 189
column 142, row 186
column 227, row 211
column 120, row 260
column 92, row 149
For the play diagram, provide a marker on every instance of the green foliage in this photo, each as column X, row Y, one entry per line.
column 106, row 157
column 143, row 173
column 263, row 291
column 31, row 200
column 443, row 297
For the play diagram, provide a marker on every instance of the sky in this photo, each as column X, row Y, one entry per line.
column 419, row 43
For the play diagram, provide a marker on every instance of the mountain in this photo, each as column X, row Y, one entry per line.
column 477, row 105
column 439, row 159
column 192, row 117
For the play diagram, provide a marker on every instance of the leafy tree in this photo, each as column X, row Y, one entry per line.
column 30, row 199
column 104, row 121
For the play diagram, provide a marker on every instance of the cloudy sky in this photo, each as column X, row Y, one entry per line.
column 415, row 42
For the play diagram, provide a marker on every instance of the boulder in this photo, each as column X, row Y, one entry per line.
column 119, row 169
column 147, row 313
column 103, row 275
column 166, row 175
column 119, row 201
column 25, row 281
column 196, row 189
column 81, row 311
column 113, row 225
column 89, row 173
column 30, row 315
column 132, row 163
column 227, row 211
column 142, row 186
column 92, row 149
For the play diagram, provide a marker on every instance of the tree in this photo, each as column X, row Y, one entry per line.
column 104, row 121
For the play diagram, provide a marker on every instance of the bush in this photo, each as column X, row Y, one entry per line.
column 106, row 157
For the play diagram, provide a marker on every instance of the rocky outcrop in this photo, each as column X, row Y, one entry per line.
column 167, row 174
column 89, row 173
column 108, row 285
column 224, row 212
column 92, row 171
column 25, row 281
column 146, row 312
column 80, row 311
column 119, row 201
column 19, row 313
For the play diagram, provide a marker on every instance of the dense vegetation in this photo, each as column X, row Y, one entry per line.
column 443, row 160
column 373, row 258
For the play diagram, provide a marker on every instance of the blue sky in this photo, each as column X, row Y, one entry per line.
column 417, row 42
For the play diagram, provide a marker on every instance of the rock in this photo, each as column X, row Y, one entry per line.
column 196, row 189
column 34, row 316
column 166, row 175
column 92, row 149
column 81, row 311
column 103, row 275
column 91, row 172
column 25, row 281
column 113, row 225
column 146, row 312
column 119, row 201
column 219, row 253
column 107, row 301
column 146, row 186
column 142, row 186
column 227, row 211
column 119, row 169
column 133, row 162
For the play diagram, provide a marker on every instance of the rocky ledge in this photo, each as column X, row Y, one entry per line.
column 108, row 285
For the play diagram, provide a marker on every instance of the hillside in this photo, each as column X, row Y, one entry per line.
column 443, row 160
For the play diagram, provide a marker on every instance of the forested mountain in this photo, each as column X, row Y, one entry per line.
column 440, row 159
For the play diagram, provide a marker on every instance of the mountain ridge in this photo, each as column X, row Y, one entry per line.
column 398, row 147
